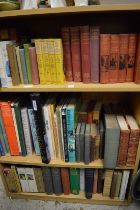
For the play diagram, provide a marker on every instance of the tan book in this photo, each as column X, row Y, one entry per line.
column 97, row 112
column 113, row 184
column 107, row 182
column 95, row 181
column 118, row 184
column 39, row 179
column 82, row 113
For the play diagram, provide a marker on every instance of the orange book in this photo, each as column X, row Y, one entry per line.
column 8, row 122
column 114, row 58
column 123, row 57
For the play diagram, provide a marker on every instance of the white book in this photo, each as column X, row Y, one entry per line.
column 23, row 179
column 31, row 179
column 124, row 183
column 82, row 180
column 26, row 130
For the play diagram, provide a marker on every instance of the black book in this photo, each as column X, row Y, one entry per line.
column 102, row 140
column 47, row 178
column 57, row 184
column 100, row 183
column 89, row 179
column 40, row 126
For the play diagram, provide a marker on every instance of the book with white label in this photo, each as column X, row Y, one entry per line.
column 31, row 179
column 23, row 179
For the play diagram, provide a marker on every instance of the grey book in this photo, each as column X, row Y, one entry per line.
column 57, row 184
column 87, row 143
column 82, row 141
column 47, row 178
column 102, row 139
column 23, row 66
column 77, row 142
column 39, row 179
column 112, row 135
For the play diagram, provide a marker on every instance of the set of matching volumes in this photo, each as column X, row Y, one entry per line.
column 111, row 183
column 92, row 57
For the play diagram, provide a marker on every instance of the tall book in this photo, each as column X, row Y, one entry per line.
column 137, row 63
column 97, row 112
column 76, row 53
column 82, row 113
column 89, row 179
column 65, row 180
column 85, row 54
column 82, row 141
column 77, row 142
column 113, row 184
column 19, row 64
column 94, row 53
column 46, row 61
column 87, row 144
column 107, row 182
column 74, row 181
column 118, row 183
column 23, row 179
column 47, row 178
column 100, row 184
column 23, row 65
column 102, row 139
column 125, row 178
column 56, row 178
column 28, row 65
column 82, row 180
column 39, row 179
column 31, row 179
column 93, row 141
column 112, row 135
column 95, row 183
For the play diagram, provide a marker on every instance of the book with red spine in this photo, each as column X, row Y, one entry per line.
column 104, row 57
column 76, row 53
column 123, row 57
column 67, row 53
column 114, row 58
column 65, row 180
column 137, row 64
column 132, row 44
column 85, row 54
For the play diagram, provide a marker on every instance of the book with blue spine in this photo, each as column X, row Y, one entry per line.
column 1, row 149
column 33, row 130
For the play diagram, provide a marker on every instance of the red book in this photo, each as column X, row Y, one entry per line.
column 65, row 180
column 85, row 53
column 76, row 53
column 104, row 57
column 123, row 57
column 94, row 53
column 8, row 122
column 67, row 53
column 34, row 65
column 132, row 43
column 114, row 58
column 137, row 65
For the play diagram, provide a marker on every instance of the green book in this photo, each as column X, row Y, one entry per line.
column 74, row 181
column 28, row 66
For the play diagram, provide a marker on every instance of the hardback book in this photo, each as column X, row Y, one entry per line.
column 87, row 144
column 58, row 155
column 94, row 53
column 113, row 184
column 41, row 133
column 95, row 183
column 124, row 140
column 77, row 142
column 112, row 136
column 23, row 179
column 114, row 58
column 85, row 54
column 93, row 135
column 2, row 145
column 74, row 181
column 137, row 62
column 101, row 177
column 89, row 179
column 118, row 183
column 104, row 57
column 31, row 179
column 65, row 180
column 26, row 130
column 23, row 65
column 82, row 180
column 12, row 179
column 28, row 65
column 67, row 53
column 123, row 188
column 90, row 111
column 2, row 151
column 47, row 178
column 39, row 179
column 133, row 140
column 19, row 64
column 13, row 64
column 82, row 142
column 76, row 53
column 102, row 139
column 34, row 65
column 107, row 182
column 97, row 112
column 82, row 113
column 132, row 44
column 56, row 178
column 123, row 57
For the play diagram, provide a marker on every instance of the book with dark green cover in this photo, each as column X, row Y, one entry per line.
column 56, row 177
column 74, row 181
column 23, row 65
column 28, row 66
column 39, row 179
column 47, row 178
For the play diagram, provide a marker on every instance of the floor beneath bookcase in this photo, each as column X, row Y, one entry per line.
column 21, row 204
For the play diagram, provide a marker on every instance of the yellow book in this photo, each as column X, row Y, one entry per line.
column 47, row 69
column 40, row 60
column 59, row 60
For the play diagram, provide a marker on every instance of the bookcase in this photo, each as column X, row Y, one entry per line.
column 111, row 18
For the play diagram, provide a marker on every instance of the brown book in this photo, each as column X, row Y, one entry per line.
column 113, row 184
column 107, row 182
column 65, row 180
column 137, row 64
column 90, row 112
column 97, row 112
column 82, row 113
column 13, row 64
column 133, row 140
column 123, row 142
column 101, row 177
column 95, row 183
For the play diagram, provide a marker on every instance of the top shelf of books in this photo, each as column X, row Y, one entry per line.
column 71, row 10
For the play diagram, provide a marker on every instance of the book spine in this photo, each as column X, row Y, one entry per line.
column 56, row 177
column 39, row 180
column 114, row 58
column 77, row 146
column 104, row 57
column 107, row 182
column 47, row 177
column 64, row 125
column 100, row 183
column 76, row 53
column 87, row 147
column 2, row 143
column 74, row 181
column 85, row 54
column 89, row 179
column 123, row 57
column 67, row 54
column 47, row 67
column 31, row 179
column 28, row 65
column 23, row 179
column 97, row 146
column 65, row 180
column 1, row 149
column 95, row 184
column 113, row 185
column 118, row 184
column 82, row 145
column 94, row 53
column 137, row 63
column 2, row 71
column 132, row 44
column 82, row 180
column 124, row 183
column 57, row 136
column 19, row 64
column 23, row 65
column 102, row 140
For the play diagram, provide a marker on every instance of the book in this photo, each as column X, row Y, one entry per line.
column 82, row 180
column 28, row 64
column 100, row 184
column 118, row 183
column 23, row 179
column 112, row 135
column 113, row 184
column 82, row 142
column 77, row 142
column 56, row 178
column 97, row 112
column 94, row 53
column 39, row 179
column 47, row 178
column 2, row 145
column 46, row 62
column 31, row 179
column 87, row 144
column 19, row 64
column 123, row 188
column 93, row 141
column 74, row 181
column 95, row 183
column 58, row 155
column 89, row 179
column 2, row 151
column 65, row 180
column 107, row 182
column 102, row 139
column 137, row 62
column 82, row 113
column 23, row 65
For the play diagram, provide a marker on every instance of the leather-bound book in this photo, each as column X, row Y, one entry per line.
column 137, row 63
column 56, row 178
column 107, row 182
column 74, row 181
column 113, row 184
column 65, row 180
column 89, row 179
column 95, row 184
column 47, row 178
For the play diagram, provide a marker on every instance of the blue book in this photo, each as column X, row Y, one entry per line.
column 89, row 179
column 23, row 65
column 1, row 149
column 33, row 130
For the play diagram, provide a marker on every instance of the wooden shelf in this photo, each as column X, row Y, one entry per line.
column 97, row 198
column 75, row 87
column 36, row 161
column 70, row 10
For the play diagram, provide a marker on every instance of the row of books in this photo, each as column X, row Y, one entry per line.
column 63, row 180
column 58, row 127
column 92, row 57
